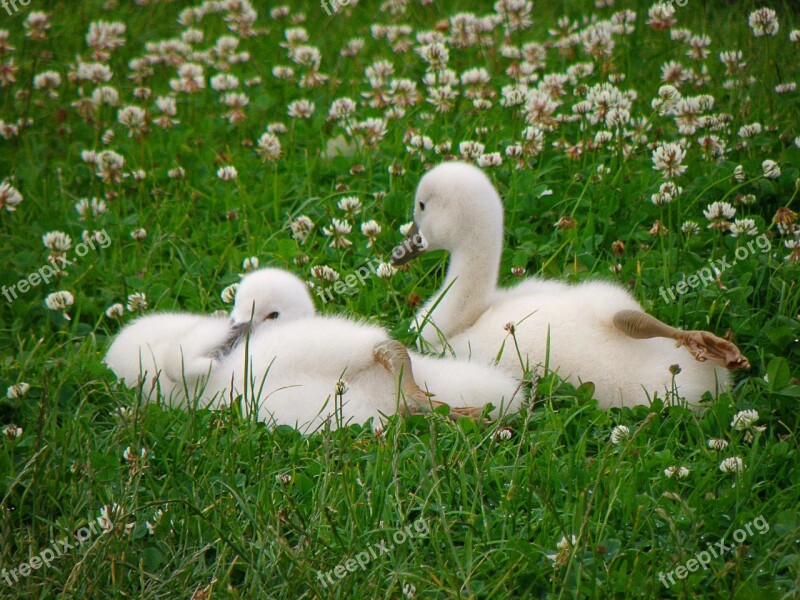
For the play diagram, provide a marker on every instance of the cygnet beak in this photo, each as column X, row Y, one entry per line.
column 240, row 330
column 413, row 246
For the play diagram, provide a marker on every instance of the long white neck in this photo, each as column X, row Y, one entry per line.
column 468, row 290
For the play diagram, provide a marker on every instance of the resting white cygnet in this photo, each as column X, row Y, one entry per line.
column 592, row 331
column 294, row 366
column 170, row 353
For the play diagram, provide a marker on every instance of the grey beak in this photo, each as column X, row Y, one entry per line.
column 413, row 246
column 240, row 330
column 237, row 334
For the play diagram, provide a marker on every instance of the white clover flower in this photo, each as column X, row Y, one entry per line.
column 276, row 128
column 110, row 166
column 470, row 149
column 445, row 147
column 108, row 136
column 134, row 118
column 191, row 79
column 112, row 516
column 224, row 82
column 371, row 130
column 676, row 472
column 341, row 108
column 19, row 390
column 419, row 143
column 385, row 271
column 282, row 72
column 405, row 228
column 514, row 15
column 137, row 302
column 228, row 295
column 490, row 160
column 351, row 205
column 12, row 432
column 301, row 109
column 743, row 227
column 250, row 263
column 435, row 54
column 661, row 15
column 301, row 228
column 719, row 210
column 60, row 301
column 748, row 199
column 47, row 81
column 690, row 228
column 732, row 464
column 502, row 435
column 738, row 174
column 139, row 234
column 763, row 21
column 717, row 444
column 744, row 419
column 115, row 311
column 151, row 527
column 668, row 158
column 325, row 273
column 57, row 241
column 96, row 207
column 227, row 173
column 514, row 150
column 37, row 23
column 750, row 130
column 565, row 543
column 9, row 197
column 341, row 387
column 371, row 229
column 338, row 231
column 771, row 169
column 269, row 147
column 619, row 434
column 667, row 192
column 121, row 412
column 564, row 547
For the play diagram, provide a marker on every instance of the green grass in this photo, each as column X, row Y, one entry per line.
column 250, row 512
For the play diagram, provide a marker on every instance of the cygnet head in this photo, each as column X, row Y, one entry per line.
column 455, row 206
column 270, row 295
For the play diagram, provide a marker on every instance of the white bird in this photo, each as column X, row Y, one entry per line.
column 290, row 372
column 295, row 361
column 146, row 353
column 593, row 331
column 171, row 353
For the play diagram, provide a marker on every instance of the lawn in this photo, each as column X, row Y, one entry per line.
column 153, row 151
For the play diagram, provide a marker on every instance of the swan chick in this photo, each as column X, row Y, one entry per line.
column 599, row 332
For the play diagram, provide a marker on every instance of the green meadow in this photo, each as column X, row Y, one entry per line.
column 151, row 150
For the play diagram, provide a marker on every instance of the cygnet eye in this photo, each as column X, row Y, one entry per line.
column 422, row 206
column 272, row 316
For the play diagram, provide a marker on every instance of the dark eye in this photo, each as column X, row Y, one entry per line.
column 272, row 316
column 422, row 206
